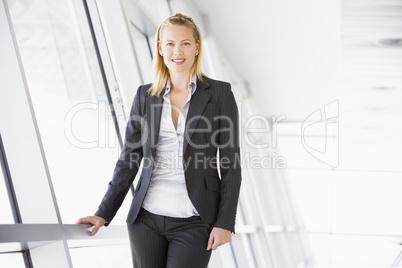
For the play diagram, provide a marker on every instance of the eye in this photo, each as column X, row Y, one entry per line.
column 169, row 44
column 186, row 43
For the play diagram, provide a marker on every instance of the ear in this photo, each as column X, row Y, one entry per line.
column 197, row 47
column 160, row 48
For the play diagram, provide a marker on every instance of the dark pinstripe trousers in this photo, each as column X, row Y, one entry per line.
column 160, row 241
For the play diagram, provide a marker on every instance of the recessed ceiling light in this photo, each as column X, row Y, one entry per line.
column 376, row 108
column 391, row 42
column 381, row 88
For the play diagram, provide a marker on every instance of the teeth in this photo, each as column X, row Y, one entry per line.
column 178, row 60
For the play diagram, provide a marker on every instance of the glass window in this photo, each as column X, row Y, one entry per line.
column 242, row 251
column 70, row 102
column 14, row 260
column 280, row 250
column 5, row 208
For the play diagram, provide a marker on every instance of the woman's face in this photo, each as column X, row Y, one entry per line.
column 178, row 48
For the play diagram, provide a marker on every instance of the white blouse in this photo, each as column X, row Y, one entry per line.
column 167, row 193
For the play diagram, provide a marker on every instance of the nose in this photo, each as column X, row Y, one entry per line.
column 177, row 50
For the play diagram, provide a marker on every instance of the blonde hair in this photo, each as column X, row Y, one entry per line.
column 160, row 71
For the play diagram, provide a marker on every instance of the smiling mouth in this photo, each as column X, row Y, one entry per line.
column 178, row 60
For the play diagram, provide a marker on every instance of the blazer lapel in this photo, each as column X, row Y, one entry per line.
column 153, row 111
column 198, row 102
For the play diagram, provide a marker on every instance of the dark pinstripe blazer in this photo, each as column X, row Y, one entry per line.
column 211, row 124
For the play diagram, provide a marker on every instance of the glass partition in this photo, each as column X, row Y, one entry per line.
column 14, row 260
column 5, row 208
column 116, row 256
column 142, row 47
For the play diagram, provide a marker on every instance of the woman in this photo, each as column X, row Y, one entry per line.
column 181, row 207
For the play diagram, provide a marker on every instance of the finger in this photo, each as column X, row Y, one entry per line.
column 210, row 241
column 216, row 244
column 95, row 230
column 87, row 220
column 82, row 221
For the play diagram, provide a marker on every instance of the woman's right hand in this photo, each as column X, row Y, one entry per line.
column 96, row 221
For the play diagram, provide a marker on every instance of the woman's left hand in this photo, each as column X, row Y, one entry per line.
column 218, row 237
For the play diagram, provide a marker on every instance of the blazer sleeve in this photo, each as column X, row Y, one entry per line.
column 127, row 165
column 229, row 156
